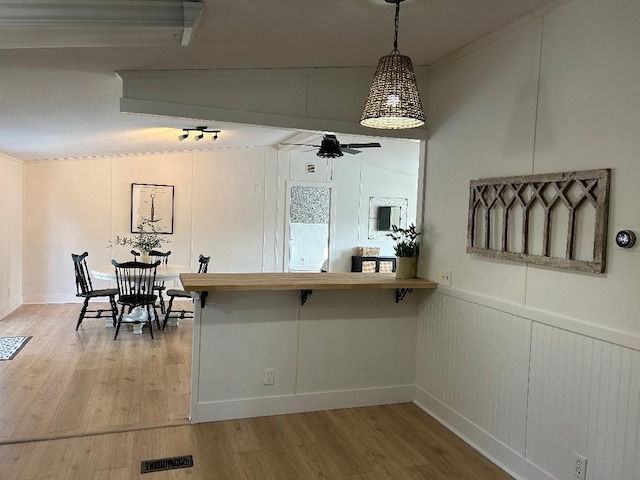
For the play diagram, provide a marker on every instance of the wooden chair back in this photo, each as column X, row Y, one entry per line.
column 83, row 279
column 204, row 264
column 135, row 281
column 163, row 257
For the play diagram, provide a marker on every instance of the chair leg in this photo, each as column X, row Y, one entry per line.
column 150, row 320
column 119, row 322
column 161, row 298
column 82, row 312
column 168, row 312
column 114, row 309
column 155, row 313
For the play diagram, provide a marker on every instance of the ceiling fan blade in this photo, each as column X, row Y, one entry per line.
column 300, row 145
column 361, row 145
column 349, row 150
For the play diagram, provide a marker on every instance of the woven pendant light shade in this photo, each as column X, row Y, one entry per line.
column 393, row 101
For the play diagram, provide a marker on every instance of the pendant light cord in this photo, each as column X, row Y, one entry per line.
column 397, row 21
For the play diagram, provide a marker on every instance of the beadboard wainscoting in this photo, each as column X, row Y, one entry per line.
column 526, row 393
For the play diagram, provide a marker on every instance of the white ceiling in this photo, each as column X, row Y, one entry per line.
column 64, row 102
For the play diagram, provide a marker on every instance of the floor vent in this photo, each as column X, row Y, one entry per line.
column 149, row 466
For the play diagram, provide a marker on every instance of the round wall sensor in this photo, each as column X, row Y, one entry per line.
column 625, row 239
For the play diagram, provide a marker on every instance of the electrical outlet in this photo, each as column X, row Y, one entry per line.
column 269, row 376
column 580, row 467
column 445, row 278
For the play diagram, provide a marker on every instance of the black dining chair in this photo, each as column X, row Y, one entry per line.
column 175, row 293
column 135, row 289
column 84, row 289
column 159, row 287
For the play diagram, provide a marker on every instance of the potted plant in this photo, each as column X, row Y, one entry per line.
column 406, row 249
column 144, row 241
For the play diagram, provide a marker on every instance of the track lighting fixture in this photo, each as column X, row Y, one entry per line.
column 200, row 133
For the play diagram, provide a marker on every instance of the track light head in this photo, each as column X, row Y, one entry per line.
column 184, row 136
column 199, row 137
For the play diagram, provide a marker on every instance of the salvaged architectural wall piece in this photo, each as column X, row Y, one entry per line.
column 558, row 219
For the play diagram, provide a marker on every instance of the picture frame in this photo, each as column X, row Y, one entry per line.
column 400, row 205
column 153, row 203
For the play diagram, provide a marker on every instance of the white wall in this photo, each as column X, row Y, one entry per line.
column 78, row 205
column 229, row 204
column 356, row 180
column 11, row 217
column 555, row 351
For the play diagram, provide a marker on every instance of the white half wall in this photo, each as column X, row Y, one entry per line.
column 341, row 349
column 11, row 221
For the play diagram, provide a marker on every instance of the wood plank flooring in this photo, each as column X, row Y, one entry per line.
column 71, row 385
column 371, row 443
column 66, row 383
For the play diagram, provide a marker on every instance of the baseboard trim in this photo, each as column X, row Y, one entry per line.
column 506, row 458
column 306, row 402
column 39, row 299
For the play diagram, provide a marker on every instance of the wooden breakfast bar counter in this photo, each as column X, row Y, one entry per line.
column 273, row 343
column 210, row 282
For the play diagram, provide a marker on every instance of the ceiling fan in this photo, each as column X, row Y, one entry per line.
column 330, row 147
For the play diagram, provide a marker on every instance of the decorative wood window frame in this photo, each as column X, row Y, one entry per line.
column 490, row 195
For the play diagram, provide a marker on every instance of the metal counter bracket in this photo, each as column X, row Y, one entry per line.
column 401, row 292
column 304, row 294
column 203, row 298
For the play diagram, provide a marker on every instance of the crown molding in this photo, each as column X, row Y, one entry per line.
column 498, row 33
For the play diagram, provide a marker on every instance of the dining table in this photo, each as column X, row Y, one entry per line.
column 138, row 316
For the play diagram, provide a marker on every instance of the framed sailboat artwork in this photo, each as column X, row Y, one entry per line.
column 152, row 208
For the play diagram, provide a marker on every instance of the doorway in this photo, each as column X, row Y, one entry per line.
column 308, row 226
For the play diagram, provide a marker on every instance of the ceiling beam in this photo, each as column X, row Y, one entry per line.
column 75, row 23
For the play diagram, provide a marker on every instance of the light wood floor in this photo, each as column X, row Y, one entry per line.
column 372, row 443
column 67, row 384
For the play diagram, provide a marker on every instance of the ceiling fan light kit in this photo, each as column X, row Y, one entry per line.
column 201, row 131
column 393, row 101
column 330, row 147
